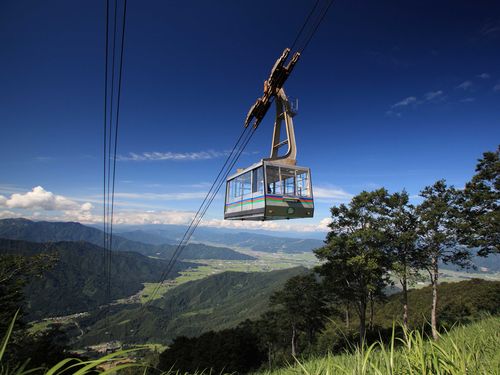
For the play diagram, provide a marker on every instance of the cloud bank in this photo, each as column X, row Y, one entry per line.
column 174, row 156
column 39, row 198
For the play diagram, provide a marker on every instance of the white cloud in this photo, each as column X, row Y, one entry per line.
column 135, row 217
column 331, row 194
column 277, row 225
column 163, row 196
column 176, row 156
column 393, row 113
column 3, row 200
column 138, row 217
column 39, row 198
column 433, row 95
column 405, row 102
column 44, row 158
column 496, row 87
column 468, row 100
column 484, row 76
column 489, row 29
column 324, row 223
column 87, row 206
column 8, row 214
column 465, row 85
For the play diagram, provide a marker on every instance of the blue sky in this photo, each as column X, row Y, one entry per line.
column 391, row 93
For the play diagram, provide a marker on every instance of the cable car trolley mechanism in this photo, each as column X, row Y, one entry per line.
column 274, row 188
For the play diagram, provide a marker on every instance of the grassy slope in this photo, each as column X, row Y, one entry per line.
column 471, row 349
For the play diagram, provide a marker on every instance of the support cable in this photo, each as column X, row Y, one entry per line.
column 315, row 28
column 116, row 140
column 105, row 135
column 111, row 126
column 304, row 24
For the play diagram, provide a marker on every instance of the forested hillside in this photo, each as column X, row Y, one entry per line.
column 267, row 340
column 214, row 303
column 76, row 282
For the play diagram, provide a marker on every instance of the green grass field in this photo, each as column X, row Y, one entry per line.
column 467, row 350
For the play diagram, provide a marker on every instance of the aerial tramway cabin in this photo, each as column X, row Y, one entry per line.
column 269, row 190
column 274, row 188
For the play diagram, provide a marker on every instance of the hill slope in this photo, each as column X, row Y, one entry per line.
column 76, row 283
column 44, row 231
column 470, row 349
column 458, row 302
column 216, row 302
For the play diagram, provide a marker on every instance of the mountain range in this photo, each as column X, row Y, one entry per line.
column 154, row 234
column 45, row 231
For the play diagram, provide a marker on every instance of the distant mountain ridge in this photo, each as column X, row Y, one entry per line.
column 77, row 281
column 234, row 239
column 44, row 231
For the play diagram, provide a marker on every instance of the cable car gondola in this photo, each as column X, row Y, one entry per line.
column 274, row 188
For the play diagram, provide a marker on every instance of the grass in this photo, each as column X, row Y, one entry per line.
column 465, row 350
column 472, row 349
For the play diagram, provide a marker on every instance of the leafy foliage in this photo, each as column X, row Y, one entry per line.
column 437, row 235
column 481, row 198
column 355, row 255
column 234, row 350
column 302, row 307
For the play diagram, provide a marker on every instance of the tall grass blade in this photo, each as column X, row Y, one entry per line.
column 7, row 335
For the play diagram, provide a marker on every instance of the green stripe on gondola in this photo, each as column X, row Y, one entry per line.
column 281, row 200
column 240, row 203
column 305, row 202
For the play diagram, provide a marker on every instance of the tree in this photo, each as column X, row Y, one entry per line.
column 303, row 307
column 272, row 333
column 437, row 235
column 402, row 227
column 355, row 257
column 15, row 272
column 233, row 350
column 480, row 206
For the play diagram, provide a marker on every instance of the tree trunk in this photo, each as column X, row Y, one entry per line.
column 347, row 316
column 269, row 355
column 404, row 283
column 371, row 312
column 362, row 322
column 293, row 341
column 434, row 282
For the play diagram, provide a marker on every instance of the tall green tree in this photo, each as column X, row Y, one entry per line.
column 303, row 306
column 437, row 235
column 15, row 272
column 355, row 260
column 480, row 206
column 402, row 229
column 272, row 332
